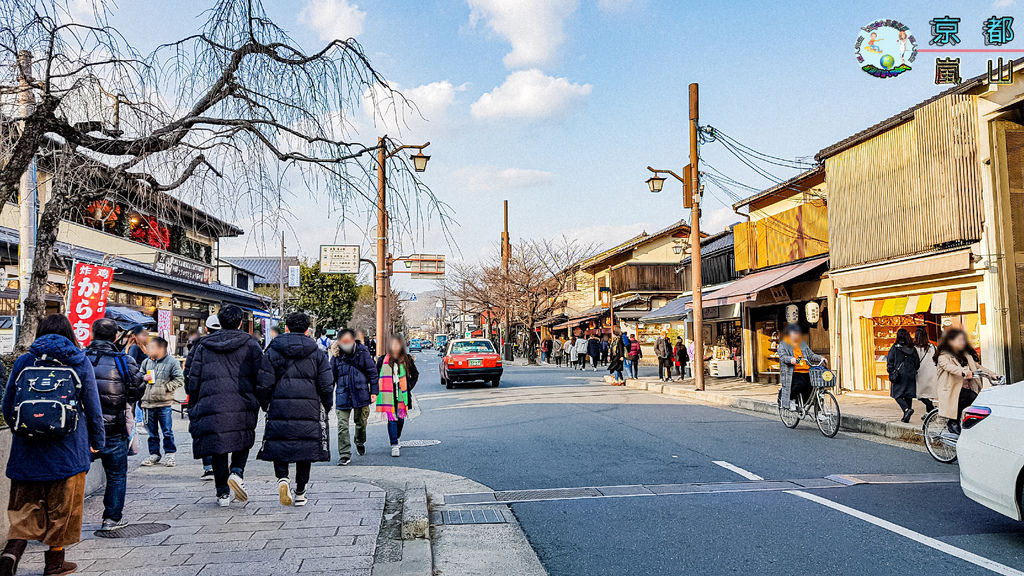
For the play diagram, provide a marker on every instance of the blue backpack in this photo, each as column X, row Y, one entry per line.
column 46, row 398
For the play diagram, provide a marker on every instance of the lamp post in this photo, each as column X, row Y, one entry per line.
column 419, row 164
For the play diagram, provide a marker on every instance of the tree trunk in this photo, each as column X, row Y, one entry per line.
column 35, row 303
column 531, row 347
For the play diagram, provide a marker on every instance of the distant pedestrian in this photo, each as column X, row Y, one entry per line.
column 795, row 358
column 927, row 371
column 663, row 350
column 120, row 387
column 682, row 356
column 616, row 357
column 212, row 325
column 635, row 354
column 164, row 377
column 47, row 473
column 355, row 389
column 295, row 388
column 605, row 349
column 594, row 350
column 398, row 376
column 902, row 363
column 222, row 402
column 581, row 353
column 372, row 347
column 324, row 342
column 557, row 351
column 545, row 350
column 569, row 350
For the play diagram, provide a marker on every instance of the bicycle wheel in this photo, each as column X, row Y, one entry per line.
column 789, row 416
column 828, row 416
column 939, row 441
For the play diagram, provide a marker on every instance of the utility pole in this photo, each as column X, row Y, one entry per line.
column 280, row 280
column 506, row 255
column 382, row 248
column 28, row 194
column 698, row 301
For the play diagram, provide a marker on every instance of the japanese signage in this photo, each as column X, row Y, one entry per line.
column 294, row 277
column 163, row 323
column 182, row 268
column 995, row 32
column 90, row 285
column 339, row 259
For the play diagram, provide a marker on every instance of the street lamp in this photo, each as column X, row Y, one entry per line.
column 419, row 161
column 655, row 183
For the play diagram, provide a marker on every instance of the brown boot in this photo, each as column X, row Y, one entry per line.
column 11, row 556
column 55, row 564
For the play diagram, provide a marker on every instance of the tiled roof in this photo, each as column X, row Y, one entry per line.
column 714, row 244
column 266, row 268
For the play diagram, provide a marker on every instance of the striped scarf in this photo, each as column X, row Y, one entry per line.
column 392, row 400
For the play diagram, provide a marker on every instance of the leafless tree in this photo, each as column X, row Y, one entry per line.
column 227, row 119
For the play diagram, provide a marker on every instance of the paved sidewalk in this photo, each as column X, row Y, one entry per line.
column 336, row 533
column 878, row 415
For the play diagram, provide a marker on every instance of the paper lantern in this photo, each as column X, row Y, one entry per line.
column 812, row 311
column 792, row 314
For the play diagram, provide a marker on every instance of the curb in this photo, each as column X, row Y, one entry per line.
column 852, row 423
column 416, row 549
column 415, row 521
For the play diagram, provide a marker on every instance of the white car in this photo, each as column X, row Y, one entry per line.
column 991, row 450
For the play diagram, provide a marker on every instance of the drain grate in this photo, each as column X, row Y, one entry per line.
column 419, row 443
column 546, row 494
column 470, row 516
column 133, row 531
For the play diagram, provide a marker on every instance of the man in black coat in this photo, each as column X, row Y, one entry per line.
column 221, row 386
column 295, row 388
column 120, row 386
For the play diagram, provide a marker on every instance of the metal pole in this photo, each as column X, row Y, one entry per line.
column 698, row 302
column 506, row 255
column 382, row 248
column 27, row 195
column 280, row 281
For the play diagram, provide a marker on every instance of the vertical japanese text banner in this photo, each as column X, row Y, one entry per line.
column 89, row 288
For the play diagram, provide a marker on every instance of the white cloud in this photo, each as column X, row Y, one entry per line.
column 429, row 112
column 494, row 179
column 605, row 236
column 715, row 221
column 1003, row 3
column 534, row 28
column 530, row 94
column 613, row 5
column 333, row 19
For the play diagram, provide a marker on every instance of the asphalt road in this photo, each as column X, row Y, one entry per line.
column 556, row 428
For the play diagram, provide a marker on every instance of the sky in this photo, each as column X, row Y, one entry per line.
column 559, row 105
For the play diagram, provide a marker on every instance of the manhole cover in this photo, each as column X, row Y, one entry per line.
column 416, row 443
column 133, row 531
column 545, row 494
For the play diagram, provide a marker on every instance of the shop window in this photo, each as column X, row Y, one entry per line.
column 242, row 281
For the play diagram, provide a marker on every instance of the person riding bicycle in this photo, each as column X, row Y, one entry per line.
column 795, row 359
column 958, row 366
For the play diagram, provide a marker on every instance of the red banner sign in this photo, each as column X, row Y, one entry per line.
column 89, row 288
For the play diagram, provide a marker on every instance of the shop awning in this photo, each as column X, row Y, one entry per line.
column 945, row 302
column 128, row 318
column 259, row 313
column 674, row 310
column 746, row 289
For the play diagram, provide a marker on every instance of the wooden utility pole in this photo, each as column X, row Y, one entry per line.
column 698, row 301
column 382, row 249
column 27, row 195
column 506, row 255
column 280, row 280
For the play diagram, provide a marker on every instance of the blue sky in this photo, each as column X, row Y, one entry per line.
column 558, row 105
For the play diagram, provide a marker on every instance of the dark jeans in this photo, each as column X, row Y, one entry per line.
column 664, row 368
column 207, row 463
column 157, row 420
column 301, row 474
column 801, row 385
column 634, row 367
column 222, row 469
column 594, row 360
column 114, row 457
column 395, row 430
column 905, row 402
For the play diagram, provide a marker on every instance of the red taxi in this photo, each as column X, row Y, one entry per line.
column 468, row 360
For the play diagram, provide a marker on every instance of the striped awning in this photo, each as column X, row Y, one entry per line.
column 947, row 302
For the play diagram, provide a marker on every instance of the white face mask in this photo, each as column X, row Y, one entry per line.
column 348, row 348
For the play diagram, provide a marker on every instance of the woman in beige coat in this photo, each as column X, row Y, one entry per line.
column 958, row 382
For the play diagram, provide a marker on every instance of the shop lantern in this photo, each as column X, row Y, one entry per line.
column 792, row 314
column 812, row 311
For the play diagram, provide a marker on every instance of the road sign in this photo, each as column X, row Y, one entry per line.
column 412, row 298
column 422, row 266
column 294, row 278
column 339, row 259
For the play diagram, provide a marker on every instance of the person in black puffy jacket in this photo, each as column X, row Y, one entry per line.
column 120, row 385
column 221, row 386
column 295, row 388
column 355, row 380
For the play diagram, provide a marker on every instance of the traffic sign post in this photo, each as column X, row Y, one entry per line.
column 423, row 266
column 339, row 259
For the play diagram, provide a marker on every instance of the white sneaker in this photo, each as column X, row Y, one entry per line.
column 224, row 501
column 169, row 460
column 300, row 500
column 284, row 492
column 151, row 460
column 237, row 486
column 395, row 451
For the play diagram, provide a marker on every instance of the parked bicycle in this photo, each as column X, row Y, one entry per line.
column 938, row 438
column 822, row 404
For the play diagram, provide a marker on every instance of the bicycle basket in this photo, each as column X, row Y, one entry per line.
column 822, row 377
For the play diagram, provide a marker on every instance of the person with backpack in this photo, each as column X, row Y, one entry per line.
column 296, row 389
column 355, row 381
column 120, row 387
column 222, row 405
column 50, row 454
column 163, row 377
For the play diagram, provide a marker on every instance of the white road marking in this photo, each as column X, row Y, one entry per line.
column 939, row 545
column 734, row 468
column 928, row 541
